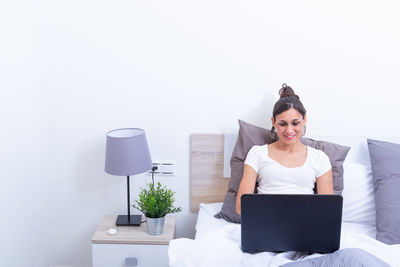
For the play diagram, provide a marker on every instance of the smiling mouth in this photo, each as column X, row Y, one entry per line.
column 290, row 137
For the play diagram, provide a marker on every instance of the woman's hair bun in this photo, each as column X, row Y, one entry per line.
column 287, row 91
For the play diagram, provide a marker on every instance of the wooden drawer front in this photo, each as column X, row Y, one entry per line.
column 114, row 255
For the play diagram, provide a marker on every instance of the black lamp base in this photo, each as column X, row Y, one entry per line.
column 134, row 220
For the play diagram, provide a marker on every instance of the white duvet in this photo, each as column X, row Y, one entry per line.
column 217, row 243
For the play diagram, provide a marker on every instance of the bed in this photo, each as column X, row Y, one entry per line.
column 217, row 242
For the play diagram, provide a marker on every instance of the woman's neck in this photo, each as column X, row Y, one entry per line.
column 288, row 147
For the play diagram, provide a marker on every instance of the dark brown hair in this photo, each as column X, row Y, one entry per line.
column 288, row 99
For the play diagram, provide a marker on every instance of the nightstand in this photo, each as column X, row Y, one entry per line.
column 132, row 245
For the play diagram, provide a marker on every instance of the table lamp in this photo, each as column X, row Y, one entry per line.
column 127, row 154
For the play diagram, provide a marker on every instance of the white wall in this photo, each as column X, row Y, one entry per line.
column 72, row 70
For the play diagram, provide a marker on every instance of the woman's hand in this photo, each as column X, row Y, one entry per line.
column 247, row 184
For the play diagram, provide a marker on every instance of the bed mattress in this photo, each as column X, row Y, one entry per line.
column 217, row 243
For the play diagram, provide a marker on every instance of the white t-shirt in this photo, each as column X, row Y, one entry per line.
column 273, row 178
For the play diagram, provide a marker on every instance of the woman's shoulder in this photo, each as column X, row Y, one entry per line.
column 256, row 152
column 259, row 147
column 316, row 152
column 313, row 150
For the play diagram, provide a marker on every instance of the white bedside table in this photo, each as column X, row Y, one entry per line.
column 132, row 245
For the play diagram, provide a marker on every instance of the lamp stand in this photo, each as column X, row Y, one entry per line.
column 129, row 220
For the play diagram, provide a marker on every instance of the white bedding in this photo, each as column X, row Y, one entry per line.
column 217, row 243
column 206, row 222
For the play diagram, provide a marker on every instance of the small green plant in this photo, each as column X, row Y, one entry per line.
column 156, row 202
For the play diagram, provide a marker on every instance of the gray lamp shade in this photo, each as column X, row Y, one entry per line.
column 127, row 152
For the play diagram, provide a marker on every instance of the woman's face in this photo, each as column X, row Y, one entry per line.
column 289, row 126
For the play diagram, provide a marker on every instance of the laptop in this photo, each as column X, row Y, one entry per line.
column 272, row 222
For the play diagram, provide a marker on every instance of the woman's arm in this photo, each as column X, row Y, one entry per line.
column 325, row 184
column 247, row 184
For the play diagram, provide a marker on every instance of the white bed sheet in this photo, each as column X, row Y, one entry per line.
column 217, row 243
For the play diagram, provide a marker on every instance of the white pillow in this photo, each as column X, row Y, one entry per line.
column 358, row 194
column 206, row 222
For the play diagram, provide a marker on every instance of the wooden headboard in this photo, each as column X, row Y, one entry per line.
column 207, row 183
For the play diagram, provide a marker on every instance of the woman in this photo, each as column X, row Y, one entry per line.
column 286, row 166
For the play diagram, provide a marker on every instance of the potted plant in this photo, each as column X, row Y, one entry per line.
column 155, row 203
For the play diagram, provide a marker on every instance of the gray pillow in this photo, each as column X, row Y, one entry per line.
column 385, row 165
column 336, row 154
column 250, row 135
